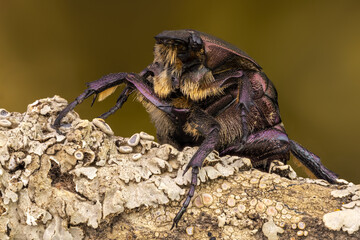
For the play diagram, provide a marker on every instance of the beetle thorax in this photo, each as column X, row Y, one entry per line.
column 193, row 81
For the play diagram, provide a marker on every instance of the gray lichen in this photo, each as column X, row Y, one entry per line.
column 91, row 184
column 270, row 230
column 348, row 218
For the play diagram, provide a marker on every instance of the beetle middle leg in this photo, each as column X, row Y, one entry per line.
column 209, row 128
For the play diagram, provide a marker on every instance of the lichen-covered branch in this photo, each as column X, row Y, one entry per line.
column 89, row 184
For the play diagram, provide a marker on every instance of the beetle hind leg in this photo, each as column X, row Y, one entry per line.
column 262, row 147
column 312, row 162
column 272, row 144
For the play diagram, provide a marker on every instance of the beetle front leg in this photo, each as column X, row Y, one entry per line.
column 95, row 87
column 119, row 102
column 112, row 80
column 209, row 128
column 71, row 106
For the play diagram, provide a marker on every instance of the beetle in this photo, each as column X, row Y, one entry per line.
column 202, row 91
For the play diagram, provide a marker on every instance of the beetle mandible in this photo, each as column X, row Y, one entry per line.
column 202, row 91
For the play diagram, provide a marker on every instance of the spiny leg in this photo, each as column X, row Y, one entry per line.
column 111, row 80
column 94, row 87
column 209, row 128
column 312, row 162
column 71, row 106
column 245, row 103
column 120, row 101
column 271, row 144
column 190, row 194
column 266, row 145
column 246, row 98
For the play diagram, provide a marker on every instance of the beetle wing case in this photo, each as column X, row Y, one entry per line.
column 223, row 51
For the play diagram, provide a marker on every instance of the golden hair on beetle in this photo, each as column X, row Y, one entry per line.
column 167, row 56
column 200, row 89
column 195, row 85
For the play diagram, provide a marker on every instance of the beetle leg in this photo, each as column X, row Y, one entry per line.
column 274, row 144
column 190, row 194
column 120, row 101
column 150, row 95
column 244, row 99
column 70, row 107
column 133, row 81
column 264, row 145
column 312, row 162
column 245, row 102
column 221, row 105
column 94, row 87
column 209, row 128
column 244, row 126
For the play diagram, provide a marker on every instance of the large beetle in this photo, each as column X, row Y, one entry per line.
column 202, row 91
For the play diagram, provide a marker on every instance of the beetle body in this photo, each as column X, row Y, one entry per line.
column 209, row 78
column 202, row 91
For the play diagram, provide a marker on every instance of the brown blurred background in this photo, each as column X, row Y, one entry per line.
column 309, row 49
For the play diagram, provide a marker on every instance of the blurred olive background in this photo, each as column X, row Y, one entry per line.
column 309, row 49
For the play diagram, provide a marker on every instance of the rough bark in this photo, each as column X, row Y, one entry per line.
column 89, row 184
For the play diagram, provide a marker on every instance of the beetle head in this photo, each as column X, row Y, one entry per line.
column 187, row 38
column 180, row 55
column 195, row 47
column 187, row 59
column 186, row 45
